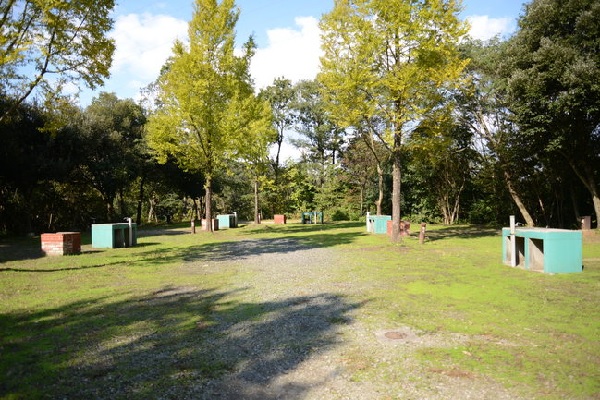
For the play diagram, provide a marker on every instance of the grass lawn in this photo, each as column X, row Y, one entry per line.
column 70, row 324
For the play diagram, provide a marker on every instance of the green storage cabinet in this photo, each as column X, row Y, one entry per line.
column 109, row 236
column 378, row 223
column 227, row 220
column 544, row 249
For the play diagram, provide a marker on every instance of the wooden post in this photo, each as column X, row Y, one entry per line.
column 513, row 242
column 193, row 226
column 586, row 223
column 422, row 233
column 130, row 232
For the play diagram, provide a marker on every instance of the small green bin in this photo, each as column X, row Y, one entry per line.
column 379, row 223
column 227, row 220
column 110, row 236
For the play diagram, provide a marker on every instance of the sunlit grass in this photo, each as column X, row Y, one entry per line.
column 533, row 331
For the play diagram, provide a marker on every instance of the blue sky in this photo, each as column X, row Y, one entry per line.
column 286, row 33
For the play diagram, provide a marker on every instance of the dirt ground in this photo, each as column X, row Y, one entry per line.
column 309, row 343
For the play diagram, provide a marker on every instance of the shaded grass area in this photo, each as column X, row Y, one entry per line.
column 169, row 343
column 154, row 320
column 158, row 320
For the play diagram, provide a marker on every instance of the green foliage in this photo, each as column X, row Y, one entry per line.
column 485, row 108
column 321, row 139
column 442, row 161
column 392, row 60
column 280, row 96
column 553, row 65
column 364, row 167
column 397, row 50
column 208, row 112
column 40, row 188
column 66, row 39
column 112, row 132
column 234, row 193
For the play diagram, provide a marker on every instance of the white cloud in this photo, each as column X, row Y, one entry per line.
column 294, row 53
column 143, row 43
column 291, row 53
column 288, row 152
column 485, row 28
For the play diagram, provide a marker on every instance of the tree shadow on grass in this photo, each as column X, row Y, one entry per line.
column 20, row 249
column 53, row 269
column 176, row 230
column 293, row 228
column 178, row 342
column 461, row 232
column 243, row 249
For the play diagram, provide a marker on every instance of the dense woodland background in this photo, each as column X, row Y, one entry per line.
column 520, row 135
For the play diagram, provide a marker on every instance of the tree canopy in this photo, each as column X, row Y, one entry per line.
column 208, row 110
column 553, row 70
column 391, row 59
column 64, row 39
column 479, row 130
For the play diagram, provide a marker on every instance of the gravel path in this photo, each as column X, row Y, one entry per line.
column 305, row 340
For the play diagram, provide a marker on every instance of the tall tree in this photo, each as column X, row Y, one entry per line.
column 372, row 131
column 254, row 145
column 395, row 58
column 322, row 138
column 363, row 160
column 484, row 106
column 206, row 97
column 112, row 131
column 442, row 156
column 23, row 164
column 281, row 96
column 65, row 39
column 554, row 65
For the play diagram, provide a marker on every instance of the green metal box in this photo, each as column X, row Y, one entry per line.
column 378, row 223
column 109, row 236
column 544, row 249
column 227, row 220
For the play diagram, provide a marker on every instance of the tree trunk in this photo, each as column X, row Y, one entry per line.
column 448, row 194
column 596, row 200
column 517, row 199
column 110, row 210
column 198, row 208
column 380, row 187
column 276, row 163
column 194, row 210
column 445, row 208
column 138, row 217
column 574, row 203
column 122, row 208
column 588, row 180
column 456, row 210
column 152, row 211
column 396, row 181
column 371, row 145
column 256, row 205
column 362, row 198
column 208, row 189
